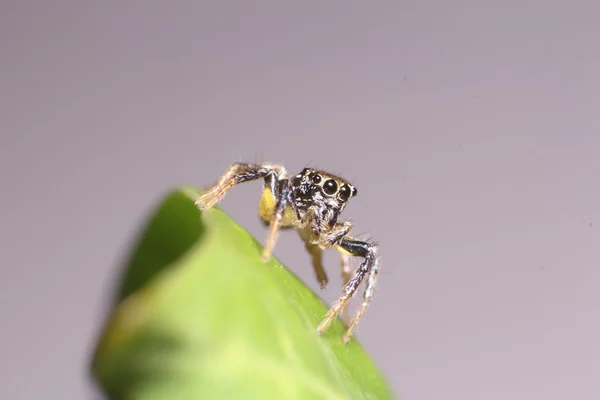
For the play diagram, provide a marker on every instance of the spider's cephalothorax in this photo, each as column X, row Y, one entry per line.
column 311, row 203
column 319, row 189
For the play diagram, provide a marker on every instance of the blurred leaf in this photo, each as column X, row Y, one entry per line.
column 200, row 316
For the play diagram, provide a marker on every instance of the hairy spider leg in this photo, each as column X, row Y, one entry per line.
column 367, row 297
column 370, row 267
column 317, row 262
column 335, row 235
column 274, row 176
column 282, row 194
column 346, row 275
column 236, row 174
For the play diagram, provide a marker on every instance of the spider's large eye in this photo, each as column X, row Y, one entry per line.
column 316, row 178
column 344, row 193
column 330, row 187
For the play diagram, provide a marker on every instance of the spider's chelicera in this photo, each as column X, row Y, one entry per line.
column 310, row 202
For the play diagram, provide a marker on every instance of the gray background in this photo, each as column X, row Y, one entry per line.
column 470, row 128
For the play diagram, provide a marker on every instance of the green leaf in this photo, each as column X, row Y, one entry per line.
column 200, row 316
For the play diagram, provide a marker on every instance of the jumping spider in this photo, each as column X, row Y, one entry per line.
column 311, row 203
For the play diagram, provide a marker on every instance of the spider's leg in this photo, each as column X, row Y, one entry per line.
column 237, row 173
column 369, row 267
column 367, row 298
column 346, row 275
column 317, row 262
column 335, row 235
column 320, row 237
column 282, row 195
column 326, row 239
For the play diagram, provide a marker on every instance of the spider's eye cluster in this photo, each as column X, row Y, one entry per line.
column 330, row 186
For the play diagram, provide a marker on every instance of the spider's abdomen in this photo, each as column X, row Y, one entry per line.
column 266, row 207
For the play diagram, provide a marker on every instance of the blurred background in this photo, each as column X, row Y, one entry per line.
column 471, row 129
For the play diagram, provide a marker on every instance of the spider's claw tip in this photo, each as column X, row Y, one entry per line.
column 199, row 202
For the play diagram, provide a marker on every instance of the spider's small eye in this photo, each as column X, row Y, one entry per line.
column 354, row 192
column 330, row 186
column 296, row 181
column 344, row 193
column 316, row 178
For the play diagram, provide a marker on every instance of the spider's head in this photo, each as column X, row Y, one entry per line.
column 313, row 187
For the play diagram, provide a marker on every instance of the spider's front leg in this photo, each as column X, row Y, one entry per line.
column 330, row 239
column 334, row 235
column 346, row 275
column 369, row 268
column 275, row 180
column 237, row 173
